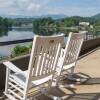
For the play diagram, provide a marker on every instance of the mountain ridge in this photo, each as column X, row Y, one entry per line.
column 54, row 16
column 97, row 16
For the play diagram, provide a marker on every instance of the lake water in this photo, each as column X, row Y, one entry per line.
column 17, row 34
column 14, row 34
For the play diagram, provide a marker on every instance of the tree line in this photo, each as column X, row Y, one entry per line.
column 62, row 25
column 5, row 22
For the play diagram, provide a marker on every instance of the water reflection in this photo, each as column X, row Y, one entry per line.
column 6, row 31
column 21, row 29
column 44, row 31
column 24, row 33
column 3, row 32
column 52, row 30
column 12, row 34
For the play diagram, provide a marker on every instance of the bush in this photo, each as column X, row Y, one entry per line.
column 30, row 46
column 19, row 50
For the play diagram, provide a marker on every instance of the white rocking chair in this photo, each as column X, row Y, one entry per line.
column 69, row 57
column 41, row 69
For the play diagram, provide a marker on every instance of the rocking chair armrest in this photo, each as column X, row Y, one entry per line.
column 12, row 67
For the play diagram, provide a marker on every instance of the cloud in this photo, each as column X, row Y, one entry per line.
column 41, row 7
column 21, row 7
column 33, row 6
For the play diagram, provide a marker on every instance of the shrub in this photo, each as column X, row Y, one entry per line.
column 30, row 46
column 19, row 50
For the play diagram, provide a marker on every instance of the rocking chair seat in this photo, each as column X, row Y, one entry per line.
column 21, row 79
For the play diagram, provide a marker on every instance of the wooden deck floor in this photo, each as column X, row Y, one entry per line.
column 89, row 90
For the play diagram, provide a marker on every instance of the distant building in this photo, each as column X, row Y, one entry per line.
column 91, row 26
column 27, row 25
column 84, row 23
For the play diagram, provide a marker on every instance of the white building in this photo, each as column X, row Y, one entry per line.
column 84, row 23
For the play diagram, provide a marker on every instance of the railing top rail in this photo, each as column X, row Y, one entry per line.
column 15, row 42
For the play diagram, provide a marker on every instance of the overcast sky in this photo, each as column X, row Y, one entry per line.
column 44, row 7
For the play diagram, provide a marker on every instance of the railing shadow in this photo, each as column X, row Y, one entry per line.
column 84, row 79
column 84, row 96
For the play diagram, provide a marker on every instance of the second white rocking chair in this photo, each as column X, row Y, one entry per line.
column 69, row 56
